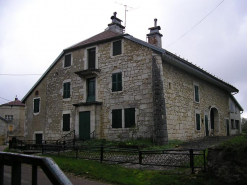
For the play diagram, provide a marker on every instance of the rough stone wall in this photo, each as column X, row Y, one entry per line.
column 136, row 66
column 35, row 122
column 181, row 107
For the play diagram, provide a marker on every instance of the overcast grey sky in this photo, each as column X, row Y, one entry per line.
column 34, row 32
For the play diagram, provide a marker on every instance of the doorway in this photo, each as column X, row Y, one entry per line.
column 206, row 125
column 84, row 125
column 38, row 138
column 214, row 122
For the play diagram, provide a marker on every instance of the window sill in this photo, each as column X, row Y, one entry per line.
column 88, row 72
column 87, row 103
column 36, row 113
column 66, row 99
column 67, row 67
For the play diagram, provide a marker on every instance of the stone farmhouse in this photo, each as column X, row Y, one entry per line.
column 114, row 86
column 13, row 114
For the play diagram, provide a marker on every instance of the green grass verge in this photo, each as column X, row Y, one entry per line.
column 119, row 175
column 236, row 146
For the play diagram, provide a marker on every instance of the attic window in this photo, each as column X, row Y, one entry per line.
column 67, row 61
column 117, row 48
column 36, row 93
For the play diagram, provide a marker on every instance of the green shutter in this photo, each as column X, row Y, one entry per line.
column 91, row 90
column 66, row 122
column 116, row 82
column 66, row 90
column 196, row 93
column 91, row 58
column 198, row 126
column 117, row 48
column 129, row 117
column 117, row 118
column 36, row 105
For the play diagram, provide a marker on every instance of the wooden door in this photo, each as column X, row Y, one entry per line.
column 84, row 125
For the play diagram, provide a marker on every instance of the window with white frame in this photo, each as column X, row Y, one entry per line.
column 66, row 90
column 66, row 122
column 9, row 117
column 129, row 118
column 36, row 105
column 196, row 93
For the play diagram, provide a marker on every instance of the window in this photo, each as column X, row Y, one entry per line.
column 116, row 82
column 67, row 60
column 237, row 124
column 232, row 107
column 91, row 90
column 36, row 93
column 91, row 58
column 117, row 118
column 9, row 117
column 198, row 122
column 129, row 117
column 66, row 122
column 232, row 123
column 10, row 127
column 196, row 92
column 66, row 90
column 36, row 105
column 117, row 48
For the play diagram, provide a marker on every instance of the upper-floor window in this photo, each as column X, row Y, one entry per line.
column 232, row 106
column 66, row 122
column 117, row 48
column 116, row 82
column 66, row 90
column 9, row 117
column 91, row 58
column 198, row 121
column 91, row 90
column 67, row 60
column 36, row 93
column 36, row 105
column 196, row 93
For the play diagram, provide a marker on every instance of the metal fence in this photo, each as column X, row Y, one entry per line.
column 188, row 158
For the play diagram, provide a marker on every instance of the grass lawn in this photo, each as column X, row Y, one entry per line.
column 119, row 175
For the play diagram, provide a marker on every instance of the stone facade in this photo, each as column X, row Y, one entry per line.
column 162, row 95
column 3, row 131
column 181, row 106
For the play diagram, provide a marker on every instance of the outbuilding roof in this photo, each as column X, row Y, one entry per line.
column 16, row 102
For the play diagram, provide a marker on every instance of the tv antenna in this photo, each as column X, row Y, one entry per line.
column 126, row 9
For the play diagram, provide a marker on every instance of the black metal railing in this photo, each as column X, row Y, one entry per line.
column 187, row 158
column 49, row 167
column 68, row 138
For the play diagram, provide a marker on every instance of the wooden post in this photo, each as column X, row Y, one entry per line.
column 34, row 175
column 192, row 161
column 16, row 173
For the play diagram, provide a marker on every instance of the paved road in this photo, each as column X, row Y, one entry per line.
column 42, row 179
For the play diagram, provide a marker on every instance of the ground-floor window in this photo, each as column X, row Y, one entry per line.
column 129, row 118
column 66, row 122
column 232, row 123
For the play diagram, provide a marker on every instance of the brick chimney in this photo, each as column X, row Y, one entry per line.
column 154, row 37
column 115, row 25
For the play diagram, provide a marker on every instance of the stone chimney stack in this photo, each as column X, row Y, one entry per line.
column 154, row 37
column 115, row 25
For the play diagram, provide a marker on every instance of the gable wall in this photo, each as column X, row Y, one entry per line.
column 181, row 107
column 35, row 122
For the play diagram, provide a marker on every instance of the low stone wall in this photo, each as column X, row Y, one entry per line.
column 227, row 169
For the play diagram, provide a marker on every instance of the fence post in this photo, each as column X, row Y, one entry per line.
column 101, row 153
column 1, row 169
column 192, row 161
column 16, row 173
column 34, row 175
column 140, row 157
column 204, row 155
column 76, row 149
